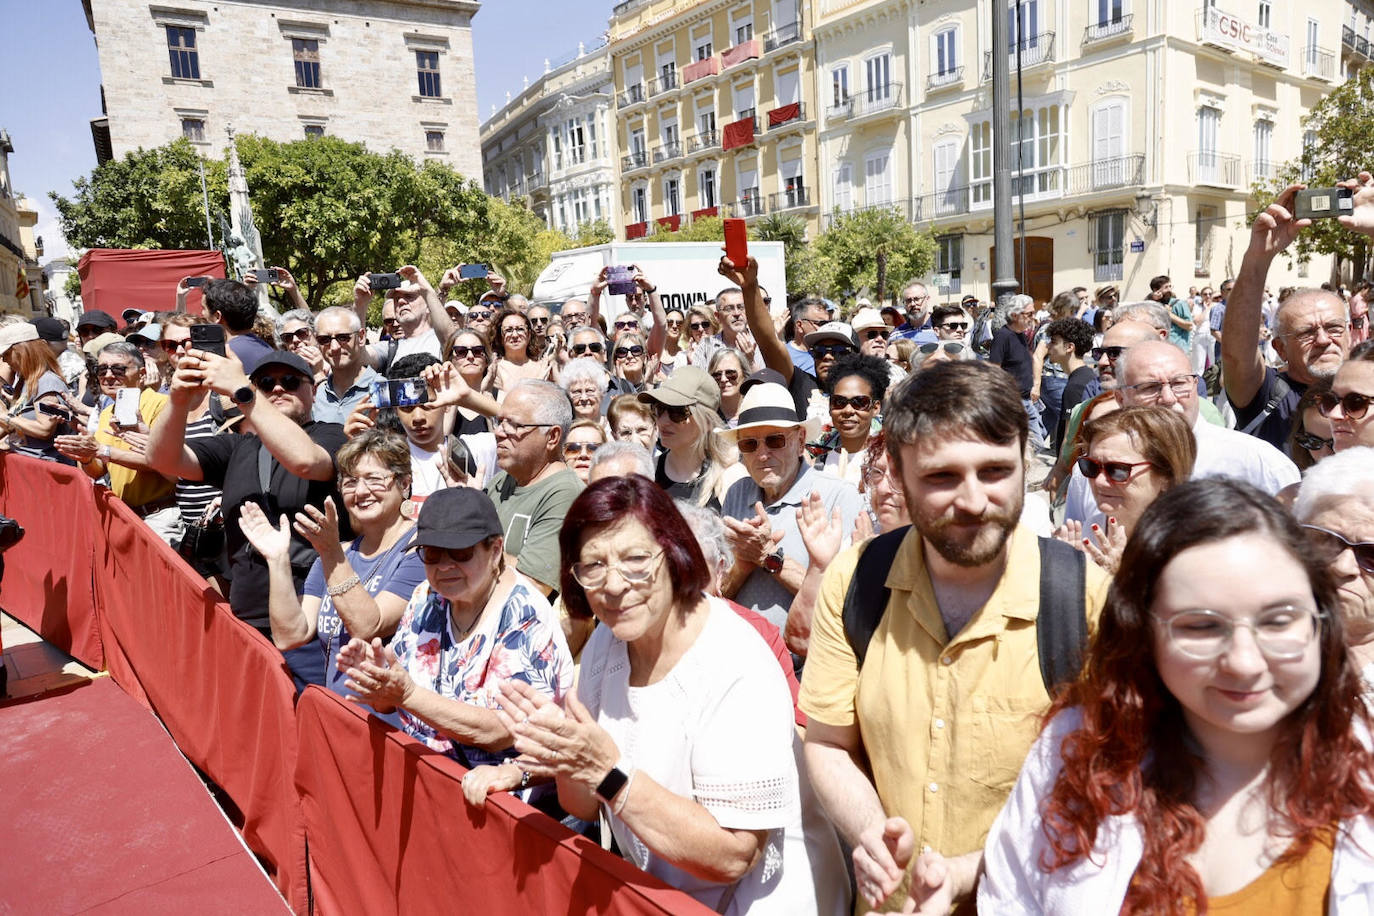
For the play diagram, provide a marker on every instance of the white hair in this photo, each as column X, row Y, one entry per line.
column 1346, row 475
column 1151, row 313
column 624, row 448
column 706, row 524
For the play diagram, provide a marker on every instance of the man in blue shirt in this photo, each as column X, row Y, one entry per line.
column 339, row 335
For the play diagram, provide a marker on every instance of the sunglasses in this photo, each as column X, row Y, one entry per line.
column 114, row 370
column 172, row 346
column 676, row 414
column 1116, row 471
column 300, row 335
column 727, row 375
column 701, row 325
column 480, row 315
column 579, row 448
column 579, row 349
column 268, row 383
column 325, row 340
column 465, row 352
column 875, row 334
column 389, row 322
column 859, row 402
column 1112, row 353
column 955, row 325
column 630, row 325
column 821, row 351
column 1331, row 545
column 1353, row 405
column 672, row 322
column 573, row 317
column 952, row 347
column 1312, row 443
column 627, row 352
column 540, row 322
column 774, row 441
column 435, row 555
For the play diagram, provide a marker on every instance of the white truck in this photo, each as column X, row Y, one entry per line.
column 685, row 273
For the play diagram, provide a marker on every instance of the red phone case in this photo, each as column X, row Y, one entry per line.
column 736, row 242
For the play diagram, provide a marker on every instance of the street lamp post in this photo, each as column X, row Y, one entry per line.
column 1004, row 283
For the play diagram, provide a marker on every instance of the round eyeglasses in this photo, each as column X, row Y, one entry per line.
column 635, row 568
column 1281, row 634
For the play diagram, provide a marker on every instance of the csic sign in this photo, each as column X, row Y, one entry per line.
column 1223, row 28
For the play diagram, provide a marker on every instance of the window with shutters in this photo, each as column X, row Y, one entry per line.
column 878, row 179
column 980, row 163
column 949, row 197
column 1107, row 244
column 1110, row 163
column 427, row 71
column 946, row 52
column 1203, row 223
column 306, row 53
column 878, row 78
column 434, row 141
column 706, row 188
column 672, row 198
column 843, row 180
column 193, row 129
column 949, row 259
column 839, row 86
column 577, row 142
column 639, row 198
column 181, row 47
column 1264, row 140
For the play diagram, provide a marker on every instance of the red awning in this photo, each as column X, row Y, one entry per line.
column 115, row 279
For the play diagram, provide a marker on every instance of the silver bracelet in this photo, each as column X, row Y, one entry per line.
column 335, row 591
column 624, row 794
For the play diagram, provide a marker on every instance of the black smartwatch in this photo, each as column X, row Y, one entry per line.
column 615, row 781
column 242, row 395
column 773, row 562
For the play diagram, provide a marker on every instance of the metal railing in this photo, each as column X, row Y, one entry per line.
column 747, row 206
column 663, row 83
column 1110, row 29
column 872, row 100
column 635, row 160
column 632, row 95
column 782, row 35
column 905, row 208
column 789, row 200
column 1215, row 169
column 800, row 116
column 1318, row 62
column 1035, row 50
column 537, row 181
column 1105, row 174
column 1263, row 170
column 1357, row 43
column 954, row 76
column 666, row 151
column 703, row 139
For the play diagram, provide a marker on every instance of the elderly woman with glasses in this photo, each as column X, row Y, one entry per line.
column 472, row 625
column 357, row 588
column 681, row 731
column 584, row 438
column 586, row 381
column 1214, row 753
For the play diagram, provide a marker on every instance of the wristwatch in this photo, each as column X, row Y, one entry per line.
column 772, row 563
column 615, row 781
column 242, row 395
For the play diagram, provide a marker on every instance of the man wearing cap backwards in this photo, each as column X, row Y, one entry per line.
column 534, row 488
column 292, row 454
column 760, row 513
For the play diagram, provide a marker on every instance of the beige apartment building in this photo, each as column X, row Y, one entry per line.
column 716, row 111
column 553, row 145
column 388, row 73
column 21, row 279
column 1140, row 129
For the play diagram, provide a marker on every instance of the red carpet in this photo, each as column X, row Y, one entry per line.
column 99, row 813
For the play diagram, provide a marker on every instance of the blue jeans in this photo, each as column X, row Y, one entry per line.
column 1051, row 401
column 1038, row 437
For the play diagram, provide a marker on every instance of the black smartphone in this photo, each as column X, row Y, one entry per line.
column 473, row 271
column 53, row 410
column 268, row 275
column 197, row 281
column 208, row 337
column 1323, row 203
column 399, row 392
column 386, row 281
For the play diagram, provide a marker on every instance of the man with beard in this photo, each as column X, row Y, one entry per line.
column 1311, row 332
column 948, row 698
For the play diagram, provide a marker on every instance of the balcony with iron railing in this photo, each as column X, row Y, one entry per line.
column 784, row 115
column 782, row 35
column 703, row 140
column 748, row 206
column 1357, row 43
column 874, row 100
column 903, row 208
column 1118, row 27
column 1318, row 63
column 1106, row 174
column 633, row 95
column 794, row 199
column 637, row 159
column 1034, row 51
column 537, row 180
column 1214, row 169
column 665, row 151
column 1048, row 183
column 945, row 79
column 663, row 83
column 1263, row 170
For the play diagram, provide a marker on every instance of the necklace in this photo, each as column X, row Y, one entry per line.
column 481, row 609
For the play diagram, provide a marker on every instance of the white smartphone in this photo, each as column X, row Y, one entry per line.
column 126, row 407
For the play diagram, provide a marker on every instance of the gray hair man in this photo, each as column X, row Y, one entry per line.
column 341, row 341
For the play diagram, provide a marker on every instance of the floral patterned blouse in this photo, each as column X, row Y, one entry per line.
column 523, row 642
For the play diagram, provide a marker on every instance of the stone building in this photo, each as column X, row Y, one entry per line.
column 553, row 145
column 389, row 73
column 21, row 279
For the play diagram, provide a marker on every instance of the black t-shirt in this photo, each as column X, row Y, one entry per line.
column 686, row 490
column 1275, row 427
column 1075, row 393
column 230, row 462
column 1009, row 351
column 800, row 387
column 467, row 426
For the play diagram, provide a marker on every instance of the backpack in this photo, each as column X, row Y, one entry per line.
column 1061, row 628
column 384, row 363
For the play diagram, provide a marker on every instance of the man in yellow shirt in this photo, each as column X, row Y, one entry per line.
column 119, row 451
column 947, row 700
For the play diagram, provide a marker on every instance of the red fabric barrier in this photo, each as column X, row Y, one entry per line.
column 47, row 581
column 745, row 50
column 390, row 832
column 695, row 71
column 784, row 113
column 737, row 133
column 221, row 690
column 115, row 279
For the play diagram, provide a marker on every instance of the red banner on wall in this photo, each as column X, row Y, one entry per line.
column 784, row 113
column 745, row 50
column 695, row 71
column 737, row 133
column 113, row 279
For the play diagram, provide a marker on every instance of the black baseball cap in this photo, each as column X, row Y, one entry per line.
column 50, row 329
column 97, row 319
column 763, row 375
column 456, row 517
column 283, row 358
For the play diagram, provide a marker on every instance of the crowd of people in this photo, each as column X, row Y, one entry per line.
column 1056, row 607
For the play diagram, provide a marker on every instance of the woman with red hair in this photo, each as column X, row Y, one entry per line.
column 1226, row 768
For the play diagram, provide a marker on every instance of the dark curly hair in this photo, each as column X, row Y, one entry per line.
column 1075, row 331
column 872, row 369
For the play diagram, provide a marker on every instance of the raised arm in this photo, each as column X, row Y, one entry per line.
column 658, row 334
column 439, row 319
column 756, row 314
column 166, row 450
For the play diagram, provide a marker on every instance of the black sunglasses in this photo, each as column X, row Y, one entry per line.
column 951, row 347
column 465, row 352
column 1116, row 471
column 433, row 555
column 1331, row 545
column 325, row 340
column 1312, row 443
column 859, row 402
column 726, row 375
column 627, row 325
column 955, row 325
column 875, row 333
column 624, row 352
column 479, row 315
column 701, row 325
column 774, row 441
column 1353, row 405
column 676, row 414
column 1112, row 353
column 539, row 321
column 114, row 370
column 580, row 448
column 300, row 335
column 268, row 383
column 579, row 349
column 821, row 351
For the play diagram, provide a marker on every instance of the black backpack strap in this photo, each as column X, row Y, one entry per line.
column 1062, row 624
column 866, row 600
column 385, row 363
column 1280, row 391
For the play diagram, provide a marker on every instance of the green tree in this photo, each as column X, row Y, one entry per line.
column 705, row 229
column 790, row 229
column 1343, row 126
column 849, row 252
column 597, row 232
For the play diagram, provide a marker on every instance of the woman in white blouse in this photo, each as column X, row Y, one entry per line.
column 681, row 734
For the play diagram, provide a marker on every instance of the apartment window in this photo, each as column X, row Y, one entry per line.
column 1264, row 136
column 878, row 77
column 948, row 194
column 1109, row 11
column 878, row 179
column 434, row 141
column 639, row 199
column 193, row 129
column 1040, row 134
column 1202, row 240
column 181, row 47
column 949, row 260
column 1208, row 119
column 670, row 135
column 577, row 142
column 581, row 211
column 744, row 31
column 427, row 67
column 557, row 137
column 980, row 162
column 1309, row 142
column 704, row 49
column 672, row 201
column 314, row 131
column 1027, row 29
column 744, row 101
column 638, row 146
column 306, row 52
column 591, row 135
column 946, row 52
column 667, row 75
column 706, row 188
column 1263, row 14
column 844, row 187
column 1108, row 240
column 1312, row 50
column 839, row 84
column 750, row 204
column 793, row 186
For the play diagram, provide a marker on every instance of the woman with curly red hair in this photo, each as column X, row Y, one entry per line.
column 1225, row 770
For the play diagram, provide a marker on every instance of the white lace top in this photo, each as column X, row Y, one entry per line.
column 719, row 730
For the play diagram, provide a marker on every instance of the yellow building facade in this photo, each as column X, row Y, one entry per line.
column 715, row 111
column 1140, row 129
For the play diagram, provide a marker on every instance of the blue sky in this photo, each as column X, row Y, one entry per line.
column 51, row 77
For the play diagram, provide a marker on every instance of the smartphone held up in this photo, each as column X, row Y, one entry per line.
column 1323, row 203
column 399, row 392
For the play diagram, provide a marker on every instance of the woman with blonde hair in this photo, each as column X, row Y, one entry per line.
column 693, row 465
column 38, row 380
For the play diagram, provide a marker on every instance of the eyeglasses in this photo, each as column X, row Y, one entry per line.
column 821, row 351
column 725, row 375
column 514, row 330
column 516, row 425
column 374, row 483
column 172, row 346
column 876, row 334
column 816, row 321
column 1329, row 546
column 1334, row 330
column 635, row 568
column 342, row 340
column 584, row 394
column 1353, row 404
column 955, row 325
column 389, row 322
column 1112, row 353
column 702, row 325
column 952, row 347
column 1313, row 443
column 579, row 349
column 121, row 369
column 1180, row 385
column 268, row 383
column 480, row 315
column 673, row 322
column 629, row 325
column 1116, row 471
column 573, row 317
column 731, row 309
column 580, row 448
column 774, row 441
column 627, row 352
column 468, row 352
column 874, row 475
column 300, row 335
column 539, row 322
column 1280, row 634
column 859, row 402
column 912, row 300
column 676, row 414
column 435, row 555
